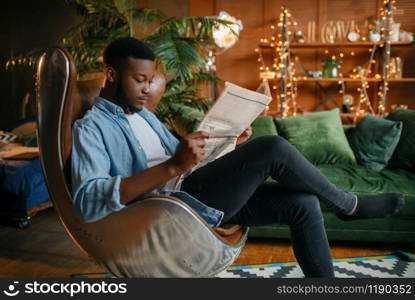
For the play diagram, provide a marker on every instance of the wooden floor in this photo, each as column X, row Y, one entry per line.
column 45, row 250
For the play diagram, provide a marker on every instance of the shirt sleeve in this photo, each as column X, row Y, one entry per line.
column 95, row 193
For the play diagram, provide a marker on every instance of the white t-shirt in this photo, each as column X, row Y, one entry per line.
column 151, row 144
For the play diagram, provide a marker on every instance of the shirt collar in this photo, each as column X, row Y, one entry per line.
column 108, row 106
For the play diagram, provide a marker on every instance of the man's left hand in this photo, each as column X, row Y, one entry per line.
column 244, row 136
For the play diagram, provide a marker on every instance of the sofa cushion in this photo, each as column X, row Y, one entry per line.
column 359, row 179
column 263, row 125
column 318, row 136
column 374, row 140
column 404, row 155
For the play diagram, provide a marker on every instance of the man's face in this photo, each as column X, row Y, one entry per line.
column 133, row 79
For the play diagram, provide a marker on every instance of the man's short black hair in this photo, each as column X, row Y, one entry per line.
column 122, row 48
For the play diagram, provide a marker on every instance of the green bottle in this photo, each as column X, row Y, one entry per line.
column 331, row 68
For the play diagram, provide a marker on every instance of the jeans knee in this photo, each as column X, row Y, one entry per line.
column 273, row 143
column 306, row 208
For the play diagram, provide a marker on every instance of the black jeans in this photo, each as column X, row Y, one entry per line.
column 235, row 185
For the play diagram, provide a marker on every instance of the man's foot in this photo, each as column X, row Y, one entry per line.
column 375, row 206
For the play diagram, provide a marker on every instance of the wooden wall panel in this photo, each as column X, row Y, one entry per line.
column 239, row 64
column 232, row 64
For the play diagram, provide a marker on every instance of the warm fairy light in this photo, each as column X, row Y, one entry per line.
column 282, row 64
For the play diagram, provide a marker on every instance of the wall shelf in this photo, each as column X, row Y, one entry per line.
column 310, row 79
column 344, row 44
column 281, row 50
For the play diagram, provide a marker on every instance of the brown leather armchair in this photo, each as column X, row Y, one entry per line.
column 154, row 237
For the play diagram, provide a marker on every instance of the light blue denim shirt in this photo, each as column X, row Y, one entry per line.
column 105, row 150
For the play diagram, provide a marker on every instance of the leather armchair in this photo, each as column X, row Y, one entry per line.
column 154, row 237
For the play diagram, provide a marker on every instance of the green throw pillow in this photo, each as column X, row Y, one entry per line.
column 404, row 155
column 263, row 125
column 374, row 140
column 318, row 136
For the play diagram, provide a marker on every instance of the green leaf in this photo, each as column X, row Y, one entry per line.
column 145, row 16
column 178, row 57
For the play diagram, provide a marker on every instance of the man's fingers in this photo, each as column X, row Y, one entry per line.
column 199, row 135
column 201, row 155
column 200, row 143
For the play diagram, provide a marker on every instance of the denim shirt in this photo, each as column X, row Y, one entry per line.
column 105, row 150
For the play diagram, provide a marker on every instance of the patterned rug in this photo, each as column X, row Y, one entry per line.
column 398, row 264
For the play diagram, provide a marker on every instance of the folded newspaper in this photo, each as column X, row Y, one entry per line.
column 233, row 112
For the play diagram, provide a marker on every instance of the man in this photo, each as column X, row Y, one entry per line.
column 122, row 152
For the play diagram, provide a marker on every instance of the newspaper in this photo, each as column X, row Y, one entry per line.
column 233, row 112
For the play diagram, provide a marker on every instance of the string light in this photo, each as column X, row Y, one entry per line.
column 386, row 15
column 282, row 64
column 285, row 70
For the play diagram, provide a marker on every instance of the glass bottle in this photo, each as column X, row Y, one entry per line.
column 331, row 68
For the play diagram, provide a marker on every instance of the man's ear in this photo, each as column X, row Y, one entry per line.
column 110, row 74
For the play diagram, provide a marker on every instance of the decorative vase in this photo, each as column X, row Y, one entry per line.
column 395, row 32
column 374, row 36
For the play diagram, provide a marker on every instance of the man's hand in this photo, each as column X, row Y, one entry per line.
column 189, row 153
column 244, row 136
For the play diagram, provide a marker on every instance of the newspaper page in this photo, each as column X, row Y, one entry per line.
column 233, row 112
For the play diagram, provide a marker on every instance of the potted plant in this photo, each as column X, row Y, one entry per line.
column 181, row 46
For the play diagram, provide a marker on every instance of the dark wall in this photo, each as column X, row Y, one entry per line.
column 29, row 24
column 25, row 25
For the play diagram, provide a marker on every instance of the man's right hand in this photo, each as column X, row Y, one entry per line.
column 189, row 152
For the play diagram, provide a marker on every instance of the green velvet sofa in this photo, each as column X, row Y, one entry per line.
column 354, row 177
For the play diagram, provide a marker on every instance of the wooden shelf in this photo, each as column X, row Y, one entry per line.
column 310, row 79
column 343, row 44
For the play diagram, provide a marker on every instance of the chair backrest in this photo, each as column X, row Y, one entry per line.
column 121, row 241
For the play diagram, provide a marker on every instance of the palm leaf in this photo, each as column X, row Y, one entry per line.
column 145, row 16
column 180, row 44
column 178, row 57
